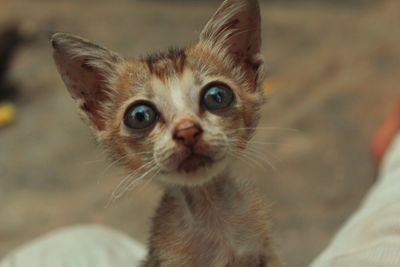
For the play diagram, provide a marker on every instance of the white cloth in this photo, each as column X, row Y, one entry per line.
column 371, row 237
column 81, row 246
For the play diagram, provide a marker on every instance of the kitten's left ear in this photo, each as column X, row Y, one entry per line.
column 87, row 70
column 236, row 29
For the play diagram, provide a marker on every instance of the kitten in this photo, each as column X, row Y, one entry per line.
column 182, row 117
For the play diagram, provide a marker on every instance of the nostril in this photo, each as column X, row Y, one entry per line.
column 198, row 134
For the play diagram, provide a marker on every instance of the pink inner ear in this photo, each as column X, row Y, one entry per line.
column 87, row 85
column 86, row 69
column 245, row 41
column 237, row 26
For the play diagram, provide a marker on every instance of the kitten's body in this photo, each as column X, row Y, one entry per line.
column 183, row 117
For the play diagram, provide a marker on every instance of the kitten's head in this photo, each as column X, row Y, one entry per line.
column 181, row 116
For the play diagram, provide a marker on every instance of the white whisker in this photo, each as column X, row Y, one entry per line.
column 128, row 179
column 150, row 179
column 257, row 157
column 119, row 160
column 252, row 155
column 127, row 182
column 272, row 128
column 132, row 185
column 259, row 151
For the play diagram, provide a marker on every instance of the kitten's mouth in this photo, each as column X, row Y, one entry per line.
column 194, row 162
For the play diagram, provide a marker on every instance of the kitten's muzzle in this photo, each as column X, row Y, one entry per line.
column 187, row 134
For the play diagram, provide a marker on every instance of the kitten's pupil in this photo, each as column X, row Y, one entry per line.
column 140, row 117
column 218, row 97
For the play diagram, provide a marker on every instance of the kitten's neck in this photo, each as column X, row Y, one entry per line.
column 220, row 192
column 222, row 223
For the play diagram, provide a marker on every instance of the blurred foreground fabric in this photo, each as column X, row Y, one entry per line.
column 371, row 237
column 81, row 246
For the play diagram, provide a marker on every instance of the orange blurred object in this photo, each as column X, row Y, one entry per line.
column 385, row 134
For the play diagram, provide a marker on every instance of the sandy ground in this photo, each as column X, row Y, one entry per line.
column 333, row 74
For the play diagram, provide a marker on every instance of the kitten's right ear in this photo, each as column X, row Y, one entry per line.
column 235, row 30
column 86, row 70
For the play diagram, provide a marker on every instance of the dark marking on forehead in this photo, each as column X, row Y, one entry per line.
column 166, row 64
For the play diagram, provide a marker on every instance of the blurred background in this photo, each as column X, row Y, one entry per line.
column 333, row 73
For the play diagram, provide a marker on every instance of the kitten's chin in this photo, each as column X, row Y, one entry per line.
column 196, row 171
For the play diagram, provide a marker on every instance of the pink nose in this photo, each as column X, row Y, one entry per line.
column 187, row 132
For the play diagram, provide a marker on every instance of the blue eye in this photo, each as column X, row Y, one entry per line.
column 217, row 97
column 140, row 117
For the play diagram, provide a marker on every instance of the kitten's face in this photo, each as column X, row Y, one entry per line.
column 182, row 113
column 180, row 116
